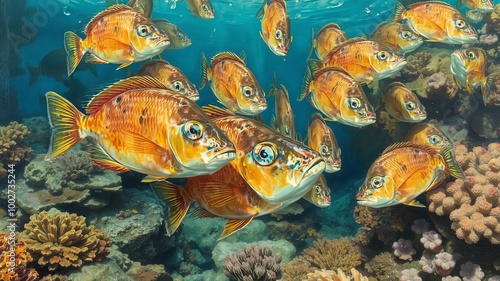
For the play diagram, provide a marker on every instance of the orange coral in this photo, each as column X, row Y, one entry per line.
column 333, row 254
column 21, row 272
column 64, row 240
column 297, row 269
column 13, row 146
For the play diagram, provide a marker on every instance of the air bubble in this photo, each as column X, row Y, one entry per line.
column 367, row 10
column 66, row 12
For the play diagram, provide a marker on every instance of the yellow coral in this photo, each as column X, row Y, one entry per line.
column 13, row 148
column 297, row 269
column 333, row 254
column 64, row 240
column 22, row 258
column 329, row 275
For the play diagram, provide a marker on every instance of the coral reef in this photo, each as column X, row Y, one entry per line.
column 383, row 267
column 426, row 262
column 330, row 275
column 417, row 65
column 444, row 263
column 297, row 269
column 410, row 275
column 432, row 241
column 485, row 122
column 333, row 254
column 493, row 19
column 15, row 256
column 492, row 97
column 440, row 85
column 471, row 272
column 253, row 263
column 420, row 226
column 64, row 240
column 13, row 146
column 403, row 249
column 473, row 205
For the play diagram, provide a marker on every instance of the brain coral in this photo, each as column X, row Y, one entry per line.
column 22, row 258
column 473, row 205
column 64, row 240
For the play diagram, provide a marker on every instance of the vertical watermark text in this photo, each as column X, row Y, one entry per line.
column 12, row 217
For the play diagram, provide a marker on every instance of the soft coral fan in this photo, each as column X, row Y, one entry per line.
column 473, row 205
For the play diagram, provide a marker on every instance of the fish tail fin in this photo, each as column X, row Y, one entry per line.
column 452, row 165
column 307, row 81
column 262, row 9
column 65, row 120
column 175, row 197
column 34, row 73
column 313, row 45
column 399, row 10
column 205, row 69
column 74, row 50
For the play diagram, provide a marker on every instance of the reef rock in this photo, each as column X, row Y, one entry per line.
column 107, row 270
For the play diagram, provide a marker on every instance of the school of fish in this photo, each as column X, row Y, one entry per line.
column 236, row 166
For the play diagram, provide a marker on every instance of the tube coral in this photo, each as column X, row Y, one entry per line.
column 253, row 263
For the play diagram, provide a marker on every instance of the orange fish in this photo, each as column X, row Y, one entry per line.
column 403, row 172
column 234, row 84
column 120, row 35
column 140, row 125
column 279, row 169
column 403, row 104
column 222, row 194
column 319, row 194
column 201, row 8
column 483, row 6
column 284, row 122
column 436, row 21
column 427, row 134
column 329, row 37
column 172, row 77
column 275, row 29
column 397, row 37
column 321, row 138
column 364, row 60
column 336, row 94
column 469, row 69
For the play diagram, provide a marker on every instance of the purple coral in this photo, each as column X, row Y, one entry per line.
column 488, row 39
column 410, row 275
column 420, row 226
column 404, row 249
column 426, row 262
column 471, row 272
column 451, row 278
column 444, row 263
column 437, row 80
column 494, row 278
column 432, row 241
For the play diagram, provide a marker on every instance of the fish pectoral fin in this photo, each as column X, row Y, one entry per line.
column 91, row 58
column 234, row 225
column 414, row 203
column 177, row 201
column 102, row 159
column 139, row 144
column 151, row 178
column 218, row 193
column 202, row 213
column 124, row 65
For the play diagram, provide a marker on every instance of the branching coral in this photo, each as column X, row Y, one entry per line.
column 253, row 263
column 330, row 275
column 297, row 269
column 13, row 146
column 383, row 266
column 473, row 205
column 15, row 257
column 64, row 240
column 333, row 254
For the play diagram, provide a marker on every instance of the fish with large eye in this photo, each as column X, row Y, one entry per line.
column 201, row 8
column 321, row 138
column 171, row 76
column 397, row 37
column 436, row 21
column 328, row 37
column 403, row 172
column 264, row 153
column 275, row 29
column 469, row 70
column 283, row 120
column 402, row 104
column 233, row 83
column 178, row 39
column 319, row 194
column 427, row 134
column 139, row 39
column 138, row 124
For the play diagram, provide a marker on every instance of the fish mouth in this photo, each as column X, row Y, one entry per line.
column 316, row 167
column 279, row 51
column 457, row 64
column 223, row 156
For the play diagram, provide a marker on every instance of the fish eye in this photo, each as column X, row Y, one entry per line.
column 434, row 139
column 410, row 105
column 406, row 35
column 377, row 182
column 324, row 150
column 471, row 55
column 287, row 130
column 264, row 153
column 354, row 103
column 178, row 85
column 277, row 35
column 248, row 91
column 143, row 30
column 317, row 189
column 382, row 55
column 179, row 36
column 460, row 24
column 204, row 7
column 193, row 130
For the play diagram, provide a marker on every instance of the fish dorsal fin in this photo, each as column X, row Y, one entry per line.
column 218, row 193
column 416, row 5
column 330, row 25
column 397, row 145
column 330, row 68
column 201, row 213
column 285, row 92
column 341, row 46
column 317, row 116
column 132, row 83
column 111, row 10
column 214, row 111
column 234, row 225
column 226, row 56
column 281, row 2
